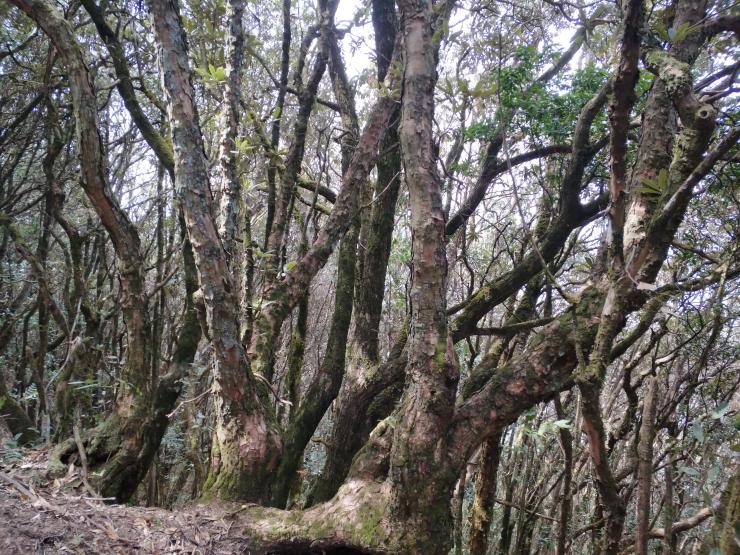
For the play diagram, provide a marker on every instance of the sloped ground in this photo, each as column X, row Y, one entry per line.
column 45, row 516
column 78, row 525
column 39, row 515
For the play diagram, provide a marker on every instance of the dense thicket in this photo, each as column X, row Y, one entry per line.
column 408, row 276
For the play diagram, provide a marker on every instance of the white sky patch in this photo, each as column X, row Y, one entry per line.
column 359, row 45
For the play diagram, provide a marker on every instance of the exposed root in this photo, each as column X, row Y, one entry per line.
column 355, row 519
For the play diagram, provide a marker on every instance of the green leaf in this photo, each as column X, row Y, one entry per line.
column 713, row 473
column 697, row 431
column 260, row 254
column 654, row 187
column 649, row 187
column 243, row 145
column 689, row 471
column 677, row 34
column 663, row 180
column 660, row 30
column 721, row 410
column 290, row 265
column 88, row 386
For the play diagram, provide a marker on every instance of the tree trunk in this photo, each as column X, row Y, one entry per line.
column 324, row 388
column 369, row 287
column 230, row 186
column 485, row 492
column 117, row 443
column 15, row 417
column 420, row 477
column 723, row 535
column 645, row 466
column 374, row 261
column 246, row 443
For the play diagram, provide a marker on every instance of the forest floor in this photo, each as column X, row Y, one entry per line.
column 39, row 515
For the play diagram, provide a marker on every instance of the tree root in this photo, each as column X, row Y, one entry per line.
column 354, row 521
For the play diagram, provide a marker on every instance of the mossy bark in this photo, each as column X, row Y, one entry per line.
column 246, row 443
column 324, row 388
column 485, row 491
column 123, row 444
column 357, row 410
column 723, row 535
column 373, row 261
column 80, row 365
column 15, row 417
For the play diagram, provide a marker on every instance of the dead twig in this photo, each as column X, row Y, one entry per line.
column 186, row 401
column 81, row 450
column 18, row 486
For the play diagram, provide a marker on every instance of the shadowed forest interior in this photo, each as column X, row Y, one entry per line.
column 382, row 276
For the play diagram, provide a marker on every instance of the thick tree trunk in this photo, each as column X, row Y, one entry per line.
column 420, row 478
column 246, row 443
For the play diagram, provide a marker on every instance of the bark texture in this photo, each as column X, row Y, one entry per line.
column 246, row 443
column 116, row 447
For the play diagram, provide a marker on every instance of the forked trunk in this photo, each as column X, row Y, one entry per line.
column 246, row 444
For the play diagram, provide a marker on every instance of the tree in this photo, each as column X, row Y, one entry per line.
column 533, row 273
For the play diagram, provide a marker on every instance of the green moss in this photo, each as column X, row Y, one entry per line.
column 369, row 528
column 441, row 353
column 673, row 73
column 317, row 529
column 208, row 492
column 227, row 485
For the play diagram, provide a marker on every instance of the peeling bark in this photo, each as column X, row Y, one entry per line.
column 246, row 443
column 421, row 481
column 230, row 186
